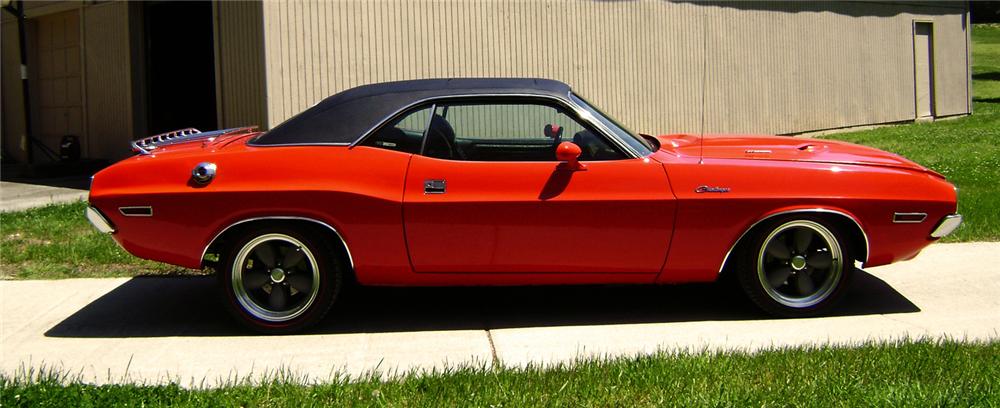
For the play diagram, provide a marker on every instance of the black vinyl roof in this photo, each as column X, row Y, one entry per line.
column 344, row 117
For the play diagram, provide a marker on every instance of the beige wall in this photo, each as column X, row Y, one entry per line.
column 108, row 80
column 778, row 71
column 658, row 66
column 768, row 67
column 951, row 59
column 239, row 56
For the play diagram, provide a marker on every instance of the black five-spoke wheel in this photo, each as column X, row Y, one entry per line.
column 795, row 267
column 279, row 280
column 275, row 277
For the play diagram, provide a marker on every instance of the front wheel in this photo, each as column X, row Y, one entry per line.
column 279, row 280
column 795, row 267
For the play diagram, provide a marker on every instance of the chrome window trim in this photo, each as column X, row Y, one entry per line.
column 423, row 135
column 947, row 225
column 581, row 114
column 593, row 112
column 803, row 210
column 896, row 220
column 347, row 249
column 136, row 207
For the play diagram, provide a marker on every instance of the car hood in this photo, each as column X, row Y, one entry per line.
column 786, row 148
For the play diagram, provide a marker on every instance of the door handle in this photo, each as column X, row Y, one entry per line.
column 434, row 186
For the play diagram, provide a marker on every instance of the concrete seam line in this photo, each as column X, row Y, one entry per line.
column 493, row 348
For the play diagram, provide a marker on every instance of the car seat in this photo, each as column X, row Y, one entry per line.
column 441, row 140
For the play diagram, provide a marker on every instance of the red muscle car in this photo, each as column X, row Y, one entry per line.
column 445, row 182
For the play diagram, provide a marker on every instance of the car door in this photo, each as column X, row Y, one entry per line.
column 486, row 195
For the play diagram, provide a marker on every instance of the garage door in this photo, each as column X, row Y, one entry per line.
column 58, row 89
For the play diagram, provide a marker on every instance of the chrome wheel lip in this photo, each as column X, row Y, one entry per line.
column 834, row 273
column 244, row 298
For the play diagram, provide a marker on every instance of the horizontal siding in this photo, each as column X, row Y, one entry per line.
column 658, row 66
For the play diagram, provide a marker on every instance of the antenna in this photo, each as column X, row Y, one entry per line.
column 704, row 82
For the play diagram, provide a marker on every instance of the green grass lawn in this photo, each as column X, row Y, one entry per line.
column 966, row 150
column 57, row 242
column 919, row 373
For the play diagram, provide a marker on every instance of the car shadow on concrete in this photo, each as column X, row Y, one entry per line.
column 192, row 306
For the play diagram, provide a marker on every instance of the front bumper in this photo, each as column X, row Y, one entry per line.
column 947, row 225
column 99, row 221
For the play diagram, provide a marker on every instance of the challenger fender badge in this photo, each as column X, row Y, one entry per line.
column 710, row 189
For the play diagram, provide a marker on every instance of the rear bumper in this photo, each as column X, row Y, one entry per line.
column 947, row 225
column 99, row 221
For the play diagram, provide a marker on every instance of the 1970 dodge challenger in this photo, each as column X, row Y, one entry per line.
column 446, row 182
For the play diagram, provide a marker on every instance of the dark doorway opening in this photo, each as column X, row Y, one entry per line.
column 180, row 66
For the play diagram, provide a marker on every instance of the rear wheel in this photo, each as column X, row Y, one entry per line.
column 279, row 280
column 795, row 267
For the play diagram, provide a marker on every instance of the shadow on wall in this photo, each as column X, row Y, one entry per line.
column 853, row 9
column 191, row 306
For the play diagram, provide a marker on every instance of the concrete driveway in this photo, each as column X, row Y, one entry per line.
column 174, row 329
column 25, row 194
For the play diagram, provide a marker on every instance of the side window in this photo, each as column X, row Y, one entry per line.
column 404, row 134
column 509, row 132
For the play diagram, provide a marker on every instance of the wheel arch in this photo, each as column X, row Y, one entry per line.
column 843, row 220
column 323, row 228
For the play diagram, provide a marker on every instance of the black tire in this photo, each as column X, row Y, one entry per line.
column 298, row 306
column 780, row 284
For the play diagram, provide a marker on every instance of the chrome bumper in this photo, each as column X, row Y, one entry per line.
column 98, row 221
column 947, row 225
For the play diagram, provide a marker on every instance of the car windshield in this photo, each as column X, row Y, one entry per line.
column 637, row 143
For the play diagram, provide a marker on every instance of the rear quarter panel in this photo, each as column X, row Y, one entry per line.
column 357, row 191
